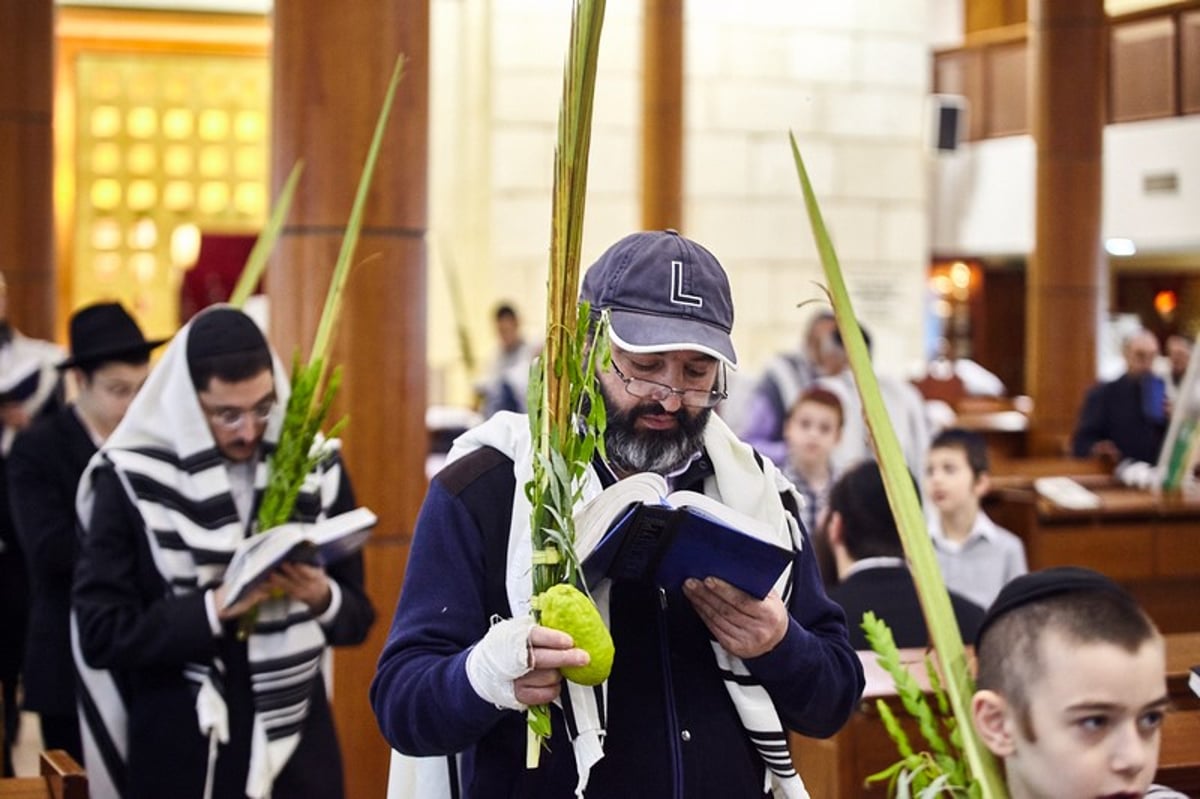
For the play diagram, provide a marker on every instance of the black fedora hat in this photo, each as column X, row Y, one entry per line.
column 105, row 332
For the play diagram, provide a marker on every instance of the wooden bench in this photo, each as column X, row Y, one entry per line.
column 61, row 778
column 835, row 768
column 1150, row 543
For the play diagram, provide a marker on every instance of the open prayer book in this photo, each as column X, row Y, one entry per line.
column 320, row 543
column 635, row 530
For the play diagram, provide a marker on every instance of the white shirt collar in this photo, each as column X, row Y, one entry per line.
column 881, row 562
column 983, row 529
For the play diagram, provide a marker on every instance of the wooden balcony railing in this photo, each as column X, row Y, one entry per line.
column 1153, row 71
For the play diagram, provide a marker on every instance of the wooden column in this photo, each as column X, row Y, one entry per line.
column 331, row 65
column 662, row 115
column 1066, row 289
column 27, row 163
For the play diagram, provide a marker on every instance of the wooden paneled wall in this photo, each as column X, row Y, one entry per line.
column 1153, row 72
column 331, row 64
column 26, row 163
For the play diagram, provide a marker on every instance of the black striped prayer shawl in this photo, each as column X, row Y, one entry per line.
column 176, row 478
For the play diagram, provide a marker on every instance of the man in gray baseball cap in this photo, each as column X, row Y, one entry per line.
column 706, row 679
column 670, row 315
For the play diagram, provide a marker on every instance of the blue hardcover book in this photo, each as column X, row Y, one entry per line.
column 634, row 531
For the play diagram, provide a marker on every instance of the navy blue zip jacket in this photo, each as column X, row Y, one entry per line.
column 672, row 730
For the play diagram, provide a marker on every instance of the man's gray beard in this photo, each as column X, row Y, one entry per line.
column 658, row 451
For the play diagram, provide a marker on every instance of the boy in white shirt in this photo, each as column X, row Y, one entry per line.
column 1072, row 688
column 977, row 556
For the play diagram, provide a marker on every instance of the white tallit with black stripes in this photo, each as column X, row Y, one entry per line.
column 738, row 481
column 167, row 460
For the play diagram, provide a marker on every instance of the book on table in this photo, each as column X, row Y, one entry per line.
column 637, row 530
column 320, row 543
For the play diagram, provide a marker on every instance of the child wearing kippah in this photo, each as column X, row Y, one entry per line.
column 1072, row 688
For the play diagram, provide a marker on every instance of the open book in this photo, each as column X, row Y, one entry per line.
column 635, row 530
column 326, row 541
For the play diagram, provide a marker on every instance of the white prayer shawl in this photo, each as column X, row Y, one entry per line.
column 20, row 359
column 748, row 488
column 163, row 446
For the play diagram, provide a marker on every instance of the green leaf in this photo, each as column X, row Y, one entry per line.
column 554, row 396
column 341, row 269
column 256, row 263
column 538, row 719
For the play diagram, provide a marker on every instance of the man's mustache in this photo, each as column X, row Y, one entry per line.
column 655, row 409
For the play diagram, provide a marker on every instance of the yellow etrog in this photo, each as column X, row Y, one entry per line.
column 566, row 608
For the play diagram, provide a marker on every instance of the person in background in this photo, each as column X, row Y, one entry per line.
column 191, row 706
column 508, row 376
column 29, row 388
column 1071, row 688
column 944, row 365
column 813, row 429
column 1172, row 368
column 977, row 556
column 109, row 359
column 861, row 532
column 1125, row 418
column 464, row 659
column 904, row 404
column 783, row 379
column 1179, row 354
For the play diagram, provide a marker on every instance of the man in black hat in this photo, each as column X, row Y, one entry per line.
column 705, row 679
column 180, row 704
column 110, row 359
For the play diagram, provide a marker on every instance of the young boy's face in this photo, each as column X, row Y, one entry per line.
column 1096, row 715
column 811, row 432
column 949, row 482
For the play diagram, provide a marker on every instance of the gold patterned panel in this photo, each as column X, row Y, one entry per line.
column 164, row 142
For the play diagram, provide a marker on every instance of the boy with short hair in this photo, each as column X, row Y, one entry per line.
column 812, row 430
column 976, row 555
column 1071, row 688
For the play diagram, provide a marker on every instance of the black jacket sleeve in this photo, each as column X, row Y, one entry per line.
column 128, row 617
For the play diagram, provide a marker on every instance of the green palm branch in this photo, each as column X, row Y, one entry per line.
column 902, row 498
column 313, row 387
column 562, row 385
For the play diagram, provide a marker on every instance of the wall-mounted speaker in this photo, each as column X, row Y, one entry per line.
column 948, row 118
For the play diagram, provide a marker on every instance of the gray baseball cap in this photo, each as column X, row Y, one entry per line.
column 663, row 292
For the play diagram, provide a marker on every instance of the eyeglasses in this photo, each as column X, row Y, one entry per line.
column 653, row 390
column 232, row 418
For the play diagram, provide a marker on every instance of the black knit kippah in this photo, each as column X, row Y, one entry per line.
column 223, row 331
column 1043, row 584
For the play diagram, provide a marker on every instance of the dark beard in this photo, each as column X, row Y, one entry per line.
column 659, row 451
